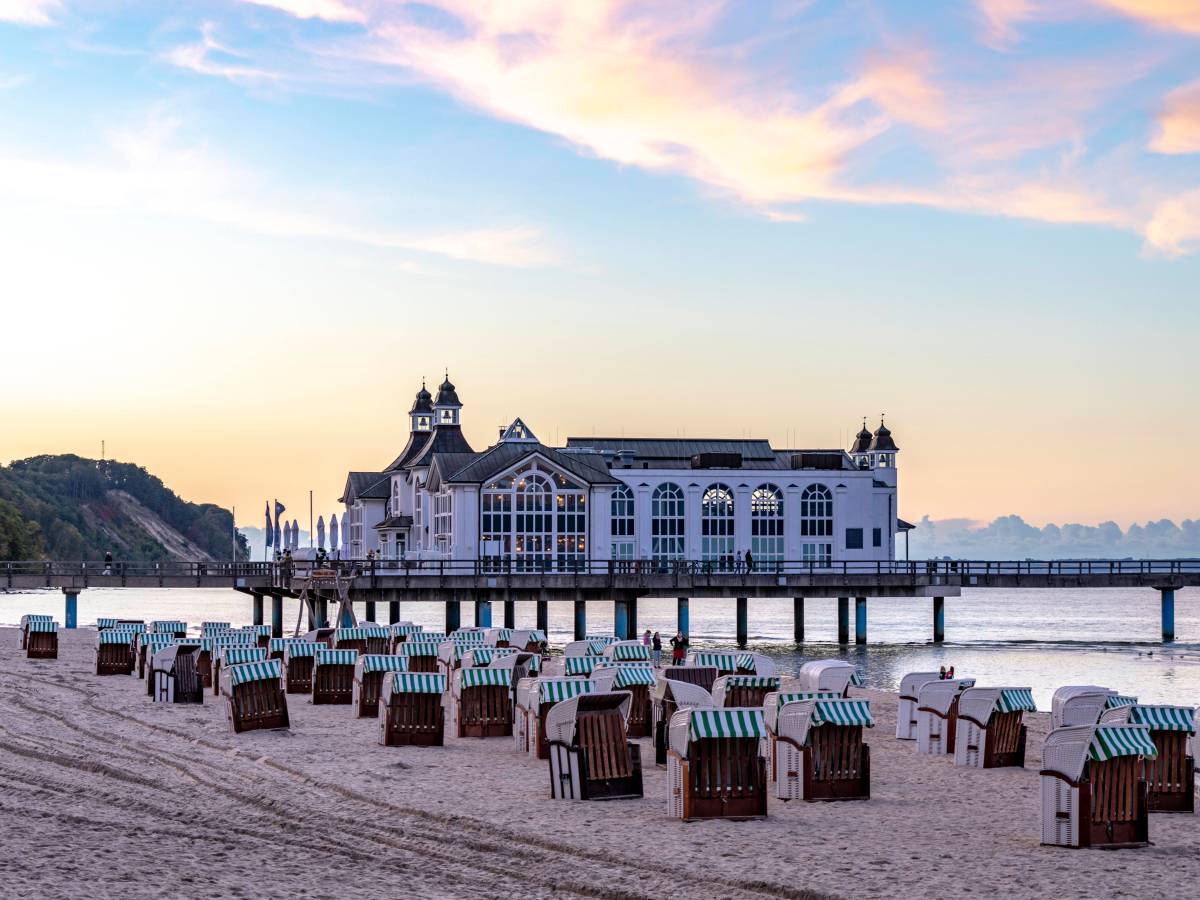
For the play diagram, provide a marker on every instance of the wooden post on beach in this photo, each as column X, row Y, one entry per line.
column 510, row 611
column 393, row 612
column 1168, row 613
column 939, row 619
column 681, row 615
column 453, row 616
column 743, row 621
column 580, row 617
column 256, row 607
column 860, row 620
column 843, row 620
column 483, row 613
column 798, row 618
column 277, row 615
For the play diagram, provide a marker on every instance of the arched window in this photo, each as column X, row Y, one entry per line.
column 816, row 522
column 766, row 524
column 624, row 532
column 667, row 523
column 716, row 523
column 536, row 518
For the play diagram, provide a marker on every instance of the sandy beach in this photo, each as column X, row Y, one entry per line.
column 105, row 792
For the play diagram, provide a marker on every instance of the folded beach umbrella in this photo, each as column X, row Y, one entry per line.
column 295, row 534
column 321, row 532
column 333, row 533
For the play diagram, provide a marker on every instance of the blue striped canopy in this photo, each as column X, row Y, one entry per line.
column 112, row 636
column 261, row 670
column 433, row 637
column 398, row 630
column 726, row 723
column 418, row 683
column 35, row 617
column 132, row 627
column 206, row 627
column 277, row 644
column 1110, row 741
column 257, row 630
column 166, row 626
column 42, row 626
column 326, row 657
column 106, row 623
column 379, row 662
column 481, row 677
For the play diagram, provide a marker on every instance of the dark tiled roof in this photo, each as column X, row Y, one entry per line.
column 503, row 456
column 901, row 525
column 416, row 442
column 862, row 441
column 443, row 439
column 367, row 486
column 396, row 522
column 650, row 449
column 882, row 441
column 446, row 395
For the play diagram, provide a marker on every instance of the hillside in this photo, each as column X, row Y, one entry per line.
column 68, row 507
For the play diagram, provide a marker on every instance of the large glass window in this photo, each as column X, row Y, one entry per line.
column 766, row 524
column 716, row 524
column 817, row 554
column 624, row 530
column 535, row 518
column 443, row 518
column 667, row 523
column 816, row 511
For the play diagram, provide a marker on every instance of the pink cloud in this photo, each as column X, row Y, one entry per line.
column 1181, row 15
column 1174, row 228
column 1179, row 122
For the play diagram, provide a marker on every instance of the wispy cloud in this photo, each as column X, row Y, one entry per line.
column 1179, row 122
column 208, row 56
column 329, row 10
column 1181, row 15
column 30, row 12
column 1174, row 229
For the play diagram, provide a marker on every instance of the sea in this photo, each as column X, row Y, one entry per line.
column 1018, row 638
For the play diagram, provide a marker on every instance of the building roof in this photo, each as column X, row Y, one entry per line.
column 446, row 395
column 445, row 464
column 443, row 439
column 423, row 402
column 902, row 525
column 396, row 522
column 882, row 441
column 416, row 443
column 862, row 440
column 502, row 456
column 366, row 486
column 668, row 448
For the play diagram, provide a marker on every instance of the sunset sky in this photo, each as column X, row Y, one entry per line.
column 235, row 235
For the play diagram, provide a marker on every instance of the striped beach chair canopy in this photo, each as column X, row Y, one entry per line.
column 468, row 636
column 770, row 682
column 403, row 630
column 417, row 648
column 1067, row 749
column 631, row 676
column 524, row 636
column 435, row 637
column 501, row 634
column 167, row 626
column 257, row 630
column 721, row 660
column 112, row 636
column 277, row 645
column 259, row 670
column 184, row 642
column 605, row 639
column 206, row 627
column 1116, row 701
column 1111, row 741
column 597, row 648
column 380, row 662
column 1164, row 718
column 327, row 657
column 376, row 631
column 106, row 622
column 555, row 690
column 842, row 712
column 796, row 696
column 42, row 626
column 483, row 656
column 156, row 639
column 33, row 617
column 131, row 627
column 1015, row 700
column 233, row 656
column 627, row 651
column 417, row 683
column 484, row 677
column 697, row 724
column 580, row 665
column 350, row 634
column 296, row 648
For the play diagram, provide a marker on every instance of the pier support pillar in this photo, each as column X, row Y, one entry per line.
column 256, row 608
column 939, row 619
column 369, row 615
column 1168, row 613
column 860, row 620
column 510, row 614
column 71, row 610
column 580, row 619
column 743, row 621
column 277, row 615
column 483, row 613
column 621, row 619
column 798, row 619
column 543, row 616
column 453, row 615
column 393, row 612
column 843, row 620
column 681, row 615
column 322, row 613
column 633, row 622
column 346, row 618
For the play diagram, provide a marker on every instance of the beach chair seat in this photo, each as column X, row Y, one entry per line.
column 232, row 655
column 819, row 750
column 989, row 732
column 639, row 680
column 254, row 696
column 410, row 710
column 1093, row 787
column 906, row 707
column 937, row 715
column 370, row 669
column 113, row 652
column 1078, row 704
column 715, row 766
column 298, row 658
column 1171, row 775
column 422, row 655
column 829, row 675
column 541, row 695
column 333, row 676
column 771, row 706
column 744, row 690
column 169, row 627
column 174, row 674
column 590, row 754
column 40, row 639
column 481, row 703
column 679, row 687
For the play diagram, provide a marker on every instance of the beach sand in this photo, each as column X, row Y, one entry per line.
column 103, row 792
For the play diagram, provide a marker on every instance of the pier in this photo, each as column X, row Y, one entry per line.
column 488, row 582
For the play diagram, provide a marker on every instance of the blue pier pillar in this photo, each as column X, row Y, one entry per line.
column 743, row 621
column 256, row 604
column 277, row 615
column 798, row 618
column 843, row 620
column 483, row 613
column 681, row 615
column 71, row 611
column 633, row 623
column 453, row 615
column 370, row 613
column 543, row 616
column 939, row 619
column 346, row 618
column 1168, row 613
column 860, row 620
column 621, row 619
column 580, row 619
column 393, row 612
column 510, row 614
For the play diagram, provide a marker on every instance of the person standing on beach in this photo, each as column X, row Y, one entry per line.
column 678, row 649
column 656, row 650
column 646, row 638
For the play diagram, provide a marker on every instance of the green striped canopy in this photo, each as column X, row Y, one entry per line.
column 503, row 634
column 856, row 679
column 579, row 665
column 1016, row 700
column 629, row 676
column 398, row 630
column 842, row 712
column 535, row 663
column 132, row 627
column 417, row 648
column 257, row 630
column 375, row 631
column 233, row 656
column 213, row 644
column 1164, row 718
column 718, row 659
column 36, row 617
column 350, row 634
column 435, row 637
column 558, row 690
column 167, row 627
column 277, row 644
column 467, row 637
column 418, row 683
column 326, row 657
column 297, row 648
column 157, row 640
column 261, row 670
column 630, row 651
column 379, row 662
column 1115, row 701
column 797, row 696
column 726, row 723
column 537, row 635
column 770, row 682
column 596, row 648
column 1109, row 741
column 745, row 661
column 479, row 677
column 206, row 627
column 482, row 656
column 43, row 626
column 112, row 636
column 605, row 639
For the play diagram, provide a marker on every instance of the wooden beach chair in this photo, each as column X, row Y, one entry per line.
column 370, row 670
column 715, row 767
column 591, row 756
column 145, row 646
column 276, row 646
column 114, row 655
column 820, row 753
column 422, row 655
column 233, row 655
column 743, row 690
column 679, row 687
column 211, row 646
column 400, row 632
column 171, row 627
column 937, row 715
column 208, row 629
column 906, row 709
column 350, row 639
column 254, row 696
column 41, row 639
column 410, row 710
column 772, row 704
column 1171, row 775
column 333, row 676
column 482, row 657
column 989, row 733
column 174, row 674
column 298, row 658
column 638, row 679
column 626, row 651
column 23, row 633
column 540, row 695
column 828, row 675
column 1078, row 704
column 1093, row 786
column 261, row 633
column 321, row 636
column 481, row 703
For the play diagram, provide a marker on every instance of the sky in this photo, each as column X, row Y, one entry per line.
column 236, row 234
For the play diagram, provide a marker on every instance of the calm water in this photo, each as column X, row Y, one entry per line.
column 1040, row 638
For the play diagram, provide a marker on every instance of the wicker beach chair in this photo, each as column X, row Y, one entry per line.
column 410, row 710
column 254, row 696
column 679, row 687
column 937, row 715
column 23, row 632
column 772, row 704
column 41, row 639
column 400, row 632
column 906, row 709
column 233, row 655
column 819, row 750
column 482, row 657
column 591, row 756
column 174, row 674
column 828, row 675
column 743, row 690
column 481, row 703
column 1171, row 775
column 422, row 655
column 333, row 676
column 715, row 767
column 144, row 648
column 171, row 627
column 298, row 658
column 1093, row 786
column 370, row 670
column 729, row 662
column 207, row 629
column 989, row 733
column 626, row 651
column 114, row 655
column 1078, row 704
column 639, row 680
column 535, row 698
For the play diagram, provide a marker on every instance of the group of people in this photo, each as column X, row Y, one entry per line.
column 679, row 646
column 946, row 674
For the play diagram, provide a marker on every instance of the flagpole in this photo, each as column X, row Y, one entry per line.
column 310, row 522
